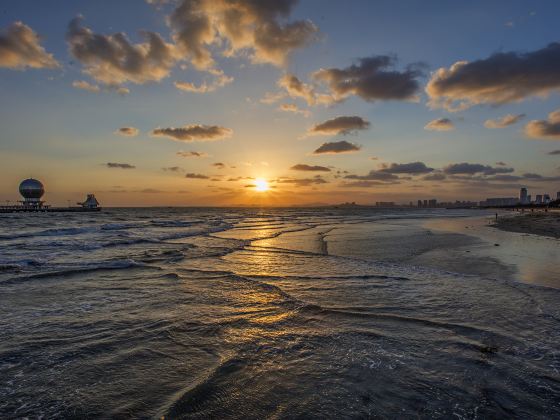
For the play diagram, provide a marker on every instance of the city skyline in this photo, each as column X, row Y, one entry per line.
column 293, row 104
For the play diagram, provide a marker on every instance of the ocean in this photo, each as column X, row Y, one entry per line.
column 272, row 313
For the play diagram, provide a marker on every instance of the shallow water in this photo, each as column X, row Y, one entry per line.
column 270, row 313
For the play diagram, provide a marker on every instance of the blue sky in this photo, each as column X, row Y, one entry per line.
column 65, row 136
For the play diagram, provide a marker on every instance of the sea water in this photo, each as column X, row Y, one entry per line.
column 254, row 313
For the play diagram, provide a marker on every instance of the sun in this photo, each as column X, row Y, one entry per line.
column 261, row 185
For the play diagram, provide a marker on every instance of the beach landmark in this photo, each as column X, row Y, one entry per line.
column 32, row 190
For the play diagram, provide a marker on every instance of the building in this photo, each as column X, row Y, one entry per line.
column 558, row 195
column 546, row 199
column 419, row 203
column 385, row 204
column 499, row 202
column 538, row 199
column 523, row 197
column 90, row 203
column 432, row 203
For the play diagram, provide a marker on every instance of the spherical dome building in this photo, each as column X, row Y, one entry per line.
column 31, row 190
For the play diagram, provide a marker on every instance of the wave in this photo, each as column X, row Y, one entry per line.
column 63, row 271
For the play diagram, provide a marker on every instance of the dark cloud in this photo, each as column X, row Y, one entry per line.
column 374, row 176
column 545, row 129
column 236, row 26
column 412, row 168
column 504, row 178
column 314, row 168
column 151, row 191
column 498, row 79
column 119, row 165
column 192, row 154
column 20, row 48
column 441, row 124
column 219, row 165
column 503, row 122
column 196, row 176
column 302, row 182
column 127, row 131
column 339, row 125
column 113, row 59
column 337, row 147
column 372, row 78
column 194, row 132
column 554, row 152
column 474, row 168
column 172, row 169
column 500, row 163
column 364, row 184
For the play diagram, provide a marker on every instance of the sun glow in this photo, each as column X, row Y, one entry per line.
column 261, row 185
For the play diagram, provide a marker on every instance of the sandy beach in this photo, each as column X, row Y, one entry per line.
column 543, row 224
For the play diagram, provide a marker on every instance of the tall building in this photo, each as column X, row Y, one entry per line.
column 419, row 203
column 546, row 199
column 523, row 196
column 558, row 195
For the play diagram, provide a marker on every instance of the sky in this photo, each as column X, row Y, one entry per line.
column 279, row 102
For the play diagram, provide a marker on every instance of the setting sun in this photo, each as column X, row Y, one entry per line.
column 261, row 185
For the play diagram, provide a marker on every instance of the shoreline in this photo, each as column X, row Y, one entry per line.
column 541, row 224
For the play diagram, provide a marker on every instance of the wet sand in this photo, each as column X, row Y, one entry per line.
column 543, row 224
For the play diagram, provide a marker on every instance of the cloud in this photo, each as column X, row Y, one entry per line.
column 294, row 109
column 219, row 165
column 119, row 165
column 151, row 191
column 371, row 78
column 365, row 184
column 374, row 176
column 219, row 81
column 82, row 84
column 554, row 152
column 413, row 168
column 339, row 125
column 503, row 122
column 500, row 163
column 295, row 88
column 20, row 48
column 238, row 26
column 196, row 176
column 194, row 132
column 192, row 154
column 303, row 182
column 337, row 147
column 441, row 124
column 545, row 129
column 127, row 131
column 474, row 168
column 499, row 79
column 113, row 59
column 172, row 169
column 314, row 168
